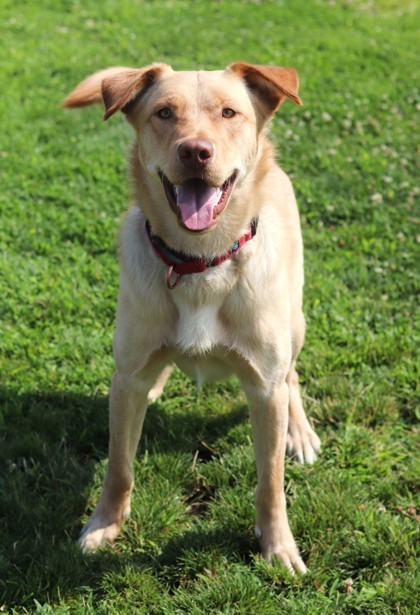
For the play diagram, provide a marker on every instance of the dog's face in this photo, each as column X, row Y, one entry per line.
column 198, row 136
column 197, row 132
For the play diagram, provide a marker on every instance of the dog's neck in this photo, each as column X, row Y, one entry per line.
column 182, row 264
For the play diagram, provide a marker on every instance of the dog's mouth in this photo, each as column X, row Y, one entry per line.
column 196, row 203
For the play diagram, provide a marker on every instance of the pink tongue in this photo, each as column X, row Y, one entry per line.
column 196, row 201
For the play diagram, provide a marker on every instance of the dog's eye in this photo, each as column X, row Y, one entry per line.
column 165, row 113
column 228, row 113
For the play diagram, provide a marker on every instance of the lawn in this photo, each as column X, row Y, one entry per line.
column 351, row 151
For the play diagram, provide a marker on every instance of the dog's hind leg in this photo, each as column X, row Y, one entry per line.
column 157, row 389
column 302, row 441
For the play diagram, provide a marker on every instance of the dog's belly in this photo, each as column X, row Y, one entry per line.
column 203, row 369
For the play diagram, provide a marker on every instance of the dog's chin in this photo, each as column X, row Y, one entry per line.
column 196, row 203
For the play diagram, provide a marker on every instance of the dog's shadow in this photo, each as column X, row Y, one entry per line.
column 51, row 446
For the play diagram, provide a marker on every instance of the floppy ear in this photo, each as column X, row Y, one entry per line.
column 271, row 84
column 117, row 87
column 121, row 91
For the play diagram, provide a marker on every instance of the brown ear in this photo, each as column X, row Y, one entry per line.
column 120, row 91
column 116, row 87
column 272, row 84
column 89, row 91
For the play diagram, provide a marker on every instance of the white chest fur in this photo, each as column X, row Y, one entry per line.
column 199, row 327
column 199, row 301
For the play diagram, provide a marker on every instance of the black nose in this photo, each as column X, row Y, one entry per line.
column 195, row 153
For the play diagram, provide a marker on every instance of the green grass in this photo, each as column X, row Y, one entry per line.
column 189, row 545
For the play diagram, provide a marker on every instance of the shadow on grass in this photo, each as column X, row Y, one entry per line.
column 50, row 446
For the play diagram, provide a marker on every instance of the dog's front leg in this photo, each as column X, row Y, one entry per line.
column 128, row 405
column 269, row 418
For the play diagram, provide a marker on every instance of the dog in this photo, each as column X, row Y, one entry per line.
column 211, row 271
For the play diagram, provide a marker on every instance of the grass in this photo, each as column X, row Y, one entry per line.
column 189, row 546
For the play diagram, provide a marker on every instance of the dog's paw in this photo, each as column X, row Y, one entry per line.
column 302, row 442
column 99, row 530
column 92, row 537
column 284, row 552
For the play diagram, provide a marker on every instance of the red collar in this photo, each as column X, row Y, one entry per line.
column 183, row 264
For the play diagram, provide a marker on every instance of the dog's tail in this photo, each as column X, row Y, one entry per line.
column 89, row 91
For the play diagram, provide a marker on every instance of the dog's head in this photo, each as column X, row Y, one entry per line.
column 197, row 132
